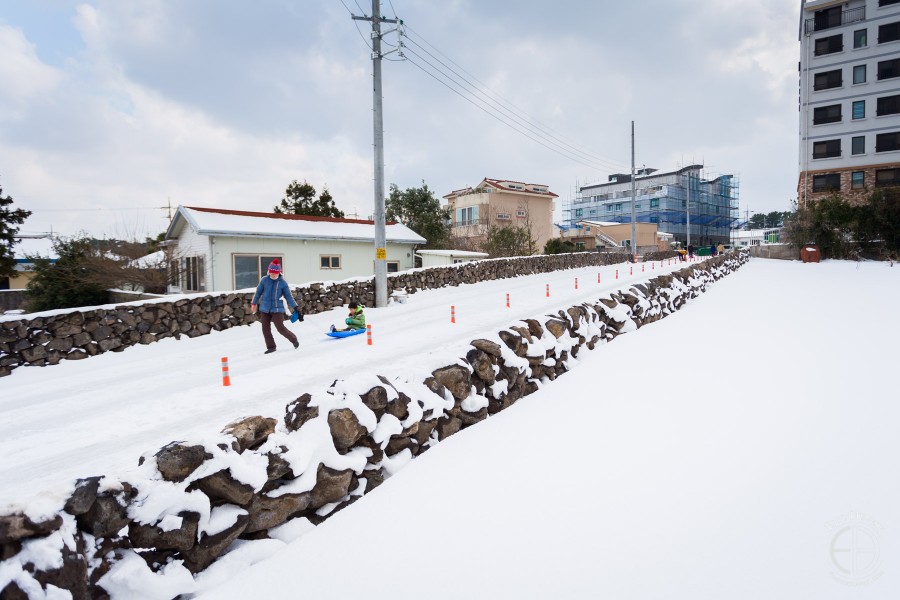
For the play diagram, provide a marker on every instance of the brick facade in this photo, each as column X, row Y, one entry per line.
column 854, row 196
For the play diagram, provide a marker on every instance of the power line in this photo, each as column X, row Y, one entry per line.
column 486, row 91
column 500, row 118
column 482, row 97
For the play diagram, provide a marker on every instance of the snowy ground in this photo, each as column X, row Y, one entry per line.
column 97, row 416
column 745, row 447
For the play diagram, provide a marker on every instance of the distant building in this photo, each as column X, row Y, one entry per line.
column 743, row 238
column 609, row 236
column 216, row 249
column 849, row 97
column 27, row 246
column 501, row 203
column 662, row 200
column 440, row 258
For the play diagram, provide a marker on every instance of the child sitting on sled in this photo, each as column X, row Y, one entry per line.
column 355, row 320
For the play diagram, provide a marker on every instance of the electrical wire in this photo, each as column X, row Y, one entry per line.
column 486, row 91
column 499, row 118
column 525, row 122
column 356, row 23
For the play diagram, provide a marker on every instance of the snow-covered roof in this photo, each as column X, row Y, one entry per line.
column 239, row 223
column 33, row 245
column 453, row 253
column 505, row 185
column 150, row 261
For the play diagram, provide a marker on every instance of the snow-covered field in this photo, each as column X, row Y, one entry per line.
column 744, row 447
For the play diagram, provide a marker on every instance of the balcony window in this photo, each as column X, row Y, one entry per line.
column 889, row 32
column 885, row 177
column 859, row 74
column 859, row 109
column 827, row 114
column 828, row 18
column 829, row 45
column 827, row 149
column 858, row 144
column 887, row 105
column 887, row 142
column 888, row 69
column 832, row 79
column 857, row 180
column 860, row 39
column 887, row 2
column 654, row 203
column 827, row 182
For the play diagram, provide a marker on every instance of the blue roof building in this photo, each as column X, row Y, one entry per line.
column 662, row 198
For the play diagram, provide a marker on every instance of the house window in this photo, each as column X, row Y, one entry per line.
column 618, row 206
column 885, row 177
column 887, row 2
column 827, row 149
column 888, row 69
column 578, row 212
column 829, row 45
column 829, row 80
column 828, row 18
column 467, row 215
column 860, row 38
column 889, row 32
column 579, row 245
column 521, row 213
column 193, row 274
column 859, row 74
column 859, row 109
column 330, row 261
column 886, row 142
column 827, row 114
column 248, row 269
column 609, row 207
column 503, row 217
column 857, row 180
column 858, row 144
column 393, row 266
column 654, row 219
column 887, row 105
column 827, row 182
column 654, row 203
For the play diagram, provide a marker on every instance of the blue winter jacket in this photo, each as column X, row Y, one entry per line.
column 268, row 295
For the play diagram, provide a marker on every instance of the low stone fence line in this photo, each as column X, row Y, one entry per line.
column 189, row 501
column 81, row 333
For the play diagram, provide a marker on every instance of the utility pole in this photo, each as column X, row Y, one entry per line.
column 633, row 202
column 687, row 206
column 378, row 127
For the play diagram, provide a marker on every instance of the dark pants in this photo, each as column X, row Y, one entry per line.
column 278, row 319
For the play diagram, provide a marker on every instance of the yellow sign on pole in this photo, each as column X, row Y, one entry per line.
column 380, row 253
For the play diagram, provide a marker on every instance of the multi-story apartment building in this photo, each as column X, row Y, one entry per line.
column 497, row 203
column 662, row 198
column 849, row 97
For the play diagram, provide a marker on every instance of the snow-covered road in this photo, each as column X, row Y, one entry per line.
column 97, row 416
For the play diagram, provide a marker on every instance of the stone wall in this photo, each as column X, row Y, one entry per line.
column 47, row 338
column 778, row 251
column 11, row 300
column 360, row 439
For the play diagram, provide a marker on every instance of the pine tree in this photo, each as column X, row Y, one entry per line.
column 9, row 219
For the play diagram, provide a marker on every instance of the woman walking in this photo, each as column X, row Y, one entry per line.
column 267, row 300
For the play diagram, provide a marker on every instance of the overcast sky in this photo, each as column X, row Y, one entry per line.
column 109, row 109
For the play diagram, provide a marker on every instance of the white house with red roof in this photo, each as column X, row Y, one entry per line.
column 215, row 249
column 501, row 203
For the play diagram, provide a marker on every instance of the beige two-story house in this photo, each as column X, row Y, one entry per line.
column 501, row 203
